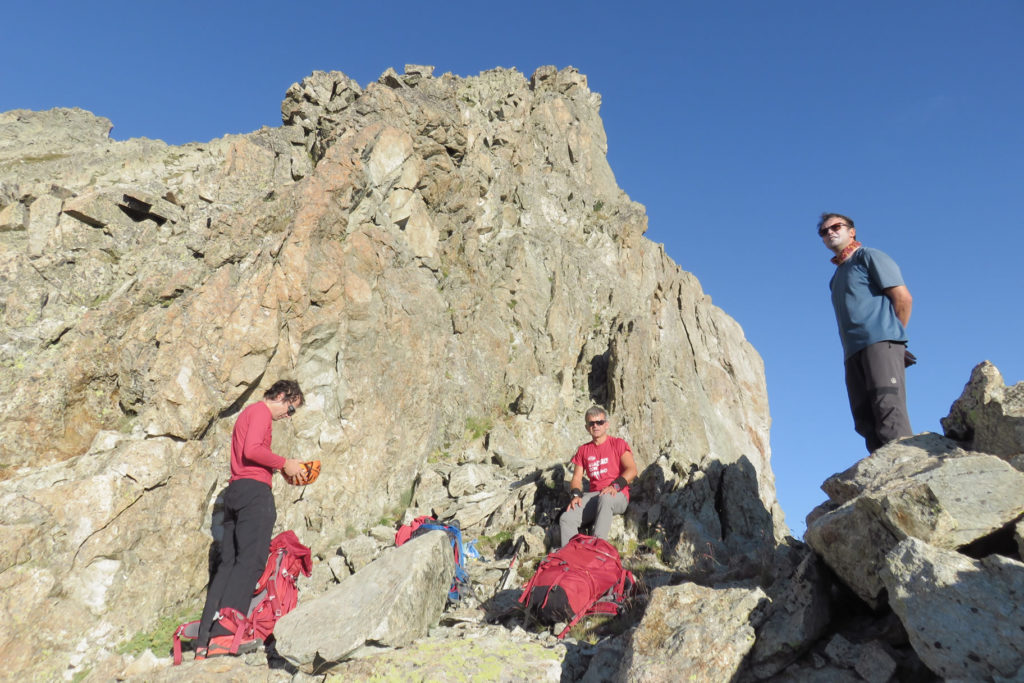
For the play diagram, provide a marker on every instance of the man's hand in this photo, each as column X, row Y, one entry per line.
column 609, row 490
column 291, row 467
column 575, row 502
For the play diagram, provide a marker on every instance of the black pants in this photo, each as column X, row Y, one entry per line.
column 249, row 516
column 876, row 385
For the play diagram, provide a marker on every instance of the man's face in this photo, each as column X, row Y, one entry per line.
column 281, row 408
column 836, row 234
column 597, row 426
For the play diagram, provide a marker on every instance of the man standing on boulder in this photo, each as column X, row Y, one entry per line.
column 249, row 512
column 872, row 308
column 609, row 466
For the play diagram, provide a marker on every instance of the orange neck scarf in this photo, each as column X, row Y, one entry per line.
column 845, row 253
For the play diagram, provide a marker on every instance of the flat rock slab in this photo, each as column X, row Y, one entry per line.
column 690, row 632
column 964, row 617
column 477, row 654
column 386, row 604
column 894, row 461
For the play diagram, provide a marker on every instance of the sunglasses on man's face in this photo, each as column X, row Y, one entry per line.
column 595, row 422
column 291, row 410
column 835, row 226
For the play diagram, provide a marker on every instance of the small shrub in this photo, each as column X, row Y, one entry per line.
column 477, row 427
column 439, row 455
column 588, row 629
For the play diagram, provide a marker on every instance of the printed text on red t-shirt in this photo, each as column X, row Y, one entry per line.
column 596, row 467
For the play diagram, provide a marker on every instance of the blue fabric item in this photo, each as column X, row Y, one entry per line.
column 863, row 312
column 462, row 551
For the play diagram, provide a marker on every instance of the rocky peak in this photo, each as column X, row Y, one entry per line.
column 447, row 267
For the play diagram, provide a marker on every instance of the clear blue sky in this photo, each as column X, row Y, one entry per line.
column 734, row 123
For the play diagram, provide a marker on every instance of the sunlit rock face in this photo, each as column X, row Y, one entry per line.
column 448, row 268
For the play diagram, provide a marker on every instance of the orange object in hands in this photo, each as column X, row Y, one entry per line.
column 307, row 474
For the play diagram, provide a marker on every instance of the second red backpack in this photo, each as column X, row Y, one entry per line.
column 275, row 595
column 585, row 577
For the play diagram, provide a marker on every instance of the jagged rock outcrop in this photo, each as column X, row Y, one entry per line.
column 798, row 613
column 447, row 267
column 989, row 416
column 928, row 533
column 912, row 488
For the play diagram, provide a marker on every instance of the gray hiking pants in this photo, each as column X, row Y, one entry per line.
column 595, row 508
column 876, row 385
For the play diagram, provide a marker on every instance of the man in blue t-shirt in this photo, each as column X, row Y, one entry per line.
column 872, row 309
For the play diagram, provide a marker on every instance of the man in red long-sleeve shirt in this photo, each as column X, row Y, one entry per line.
column 249, row 511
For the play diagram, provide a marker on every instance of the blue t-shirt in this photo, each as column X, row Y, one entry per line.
column 864, row 313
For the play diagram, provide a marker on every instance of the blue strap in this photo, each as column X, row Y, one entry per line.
column 462, row 552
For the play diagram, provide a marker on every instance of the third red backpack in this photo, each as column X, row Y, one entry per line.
column 585, row 577
column 274, row 595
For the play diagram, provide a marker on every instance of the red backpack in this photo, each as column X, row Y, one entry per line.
column 274, row 596
column 583, row 578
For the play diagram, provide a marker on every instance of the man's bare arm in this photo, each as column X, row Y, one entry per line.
column 902, row 302
column 628, row 473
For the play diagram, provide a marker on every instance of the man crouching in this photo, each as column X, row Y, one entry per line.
column 609, row 466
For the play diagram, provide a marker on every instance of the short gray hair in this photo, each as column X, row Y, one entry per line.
column 594, row 411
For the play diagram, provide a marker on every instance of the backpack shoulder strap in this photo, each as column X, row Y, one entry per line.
column 190, row 630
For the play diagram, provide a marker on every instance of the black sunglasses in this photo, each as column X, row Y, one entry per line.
column 291, row 410
column 822, row 231
column 595, row 422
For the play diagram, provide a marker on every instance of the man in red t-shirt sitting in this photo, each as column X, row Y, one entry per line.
column 608, row 463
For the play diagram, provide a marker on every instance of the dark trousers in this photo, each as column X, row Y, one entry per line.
column 249, row 516
column 875, row 383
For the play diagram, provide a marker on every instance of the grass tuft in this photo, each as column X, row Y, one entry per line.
column 477, row 427
column 158, row 639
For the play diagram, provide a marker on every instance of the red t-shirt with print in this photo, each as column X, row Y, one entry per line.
column 602, row 464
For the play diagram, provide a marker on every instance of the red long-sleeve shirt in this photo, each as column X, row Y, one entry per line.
column 251, row 457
